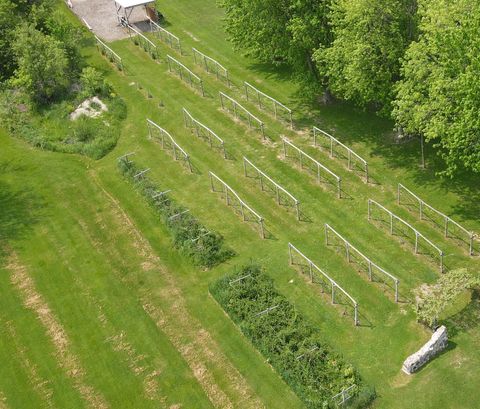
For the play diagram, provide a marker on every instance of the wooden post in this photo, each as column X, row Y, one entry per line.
column 291, row 119
column 396, row 290
column 311, row 272
column 194, row 55
column 347, row 251
column 356, row 314
column 246, row 90
column 331, row 147
column 244, row 168
column 242, row 211
column 314, row 137
column 391, row 222
column 333, row 292
column 297, row 208
column 290, row 257
column 416, row 243
column 189, row 164
column 471, row 243
column 211, row 183
column 366, row 173
column 349, row 159
column 421, row 210
column 226, row 196
column 326, row 235
column 221, row 101
column 284, row 149
column 446, row 226
column 262, row 228
column 369, row 270
column 369, row 210
column 201, row 88
column 398, row 193
column 275, row 109
column 262, row 128
column 339, row 181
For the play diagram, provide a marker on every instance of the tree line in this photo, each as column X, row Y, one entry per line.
column 415, row 61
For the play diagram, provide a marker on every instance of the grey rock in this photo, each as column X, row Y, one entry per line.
column 437, row 343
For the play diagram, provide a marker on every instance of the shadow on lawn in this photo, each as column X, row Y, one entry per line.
column 20, row 210
column 465, row 319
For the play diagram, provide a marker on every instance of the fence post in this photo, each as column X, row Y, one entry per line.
column 471, row 243
column 211, row 183
column 262, row 228
column 331, row 147
column 356, row 314
column 421, row 210
column 398, row 193
column 347, row 251
column 297, row 209
column 369, row 270
column 290, row 257
column 311, row 272
column 284, row 149
column 333, row 292
column 326, row 235
column 446, row 226
column 396, row 290
column 416, row 242
column 339, row 182
column 349, row 160
column 244, row 167
column 369, row 210
column 221, row 100
column 366, row 172
column 391, row 223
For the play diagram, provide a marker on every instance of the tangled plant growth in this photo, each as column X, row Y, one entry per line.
column 203, row 246
column 433, row 300
column 289, row 343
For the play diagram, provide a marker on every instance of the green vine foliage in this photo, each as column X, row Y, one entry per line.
column 204, row 247
column 294, row 349
column 433, row 300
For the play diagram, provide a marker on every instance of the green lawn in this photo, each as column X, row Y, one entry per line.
column 138, row 317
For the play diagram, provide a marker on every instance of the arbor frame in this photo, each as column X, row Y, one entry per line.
column 165, row 36
column 219, row 70
column 197, row 126
column 166, row 139
column 371, row 265
column 109, row 53
column 244, row 208
column 181, row 69
column 237, row 106
column 144, row 42
column 318, row 165
column 262, row 175
column 447, row 220
column 275, row 104
column 335, row 142
column 312, row 266
column 418, row 235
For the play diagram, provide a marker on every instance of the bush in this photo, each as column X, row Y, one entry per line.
column 204, row 247
column 282, row 336
column 92, row 83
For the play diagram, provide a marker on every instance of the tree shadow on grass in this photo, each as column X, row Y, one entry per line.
column 20, row 210
column 467, row 318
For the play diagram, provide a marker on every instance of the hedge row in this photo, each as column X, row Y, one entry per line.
column 203, row 246
column 282, row 336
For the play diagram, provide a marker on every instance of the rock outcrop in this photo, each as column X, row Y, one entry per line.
column 434, row 346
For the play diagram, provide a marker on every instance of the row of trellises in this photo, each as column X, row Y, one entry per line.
column 203, row 246
column 318, row 376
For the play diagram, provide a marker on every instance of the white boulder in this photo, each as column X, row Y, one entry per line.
column 437, row 343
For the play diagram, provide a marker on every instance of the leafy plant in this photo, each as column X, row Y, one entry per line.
column 203, row 246
column 289, row 343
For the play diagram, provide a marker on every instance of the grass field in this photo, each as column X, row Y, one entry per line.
column 99, row 311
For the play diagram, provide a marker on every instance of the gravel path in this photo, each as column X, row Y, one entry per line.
column 102, row 18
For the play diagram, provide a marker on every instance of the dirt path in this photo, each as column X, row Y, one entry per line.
column 197, row 346
column 67, row 360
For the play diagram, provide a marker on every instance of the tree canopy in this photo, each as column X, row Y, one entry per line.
column 439, row 93
column 370, row 37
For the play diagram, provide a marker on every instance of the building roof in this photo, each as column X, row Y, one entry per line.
column 132, row 3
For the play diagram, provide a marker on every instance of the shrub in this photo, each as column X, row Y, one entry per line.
column 294, row 349
column 93, row 83
column 203, row 246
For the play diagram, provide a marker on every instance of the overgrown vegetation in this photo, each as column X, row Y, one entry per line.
column 434, row 299
column 289, row 343
column 415, row 61
column 203, row 246
column 44, row 78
